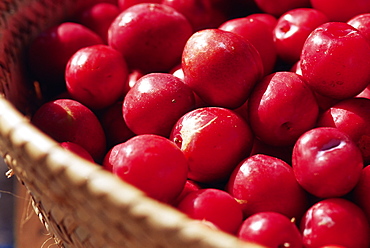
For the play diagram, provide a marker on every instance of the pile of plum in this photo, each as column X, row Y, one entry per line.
column 250, row 116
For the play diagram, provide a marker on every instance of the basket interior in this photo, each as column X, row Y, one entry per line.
column 78, row 202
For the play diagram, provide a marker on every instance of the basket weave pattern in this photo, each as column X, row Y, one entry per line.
column 80, row 204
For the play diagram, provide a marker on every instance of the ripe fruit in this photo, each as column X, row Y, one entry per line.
column 206, row 117
column 335, row 221
column 155, row 103
column 133, row 77
column 49, row 53
column 362, row 24
column 259, row 34
column 332, row 246
column 77, row 149
column 341, row 10
column 278, row 7
column 335, row 60
column 215, row 206
column 152, row 163
column 150, row 36
column 326, row 162
column 221, row 67
column 99, row 18
column 190, row 186
column 201, row 14
column 125, row 4
column 69, row 120
column 268, row 19
column 281, row 108
column 365, row 93
column 214, row 140
column 264, row 183
column 270, row 229
column 96, row 76
column 115, row 127
column 292, row 30
column 362, row 190
column 351, row 116
column 282, row 152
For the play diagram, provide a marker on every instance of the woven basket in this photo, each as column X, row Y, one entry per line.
column 80, row 204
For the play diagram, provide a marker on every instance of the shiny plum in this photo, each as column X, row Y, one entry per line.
column 152, row 163
column 221, row 67
column 150, row 36
column 96, row 76
column 155, row 103
column 335, row 221
column 335, row 60
column 215, row 206
column 281, row 108
column 214, row 140
column 326, row 162
column 265, row 183
column 271, row 229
